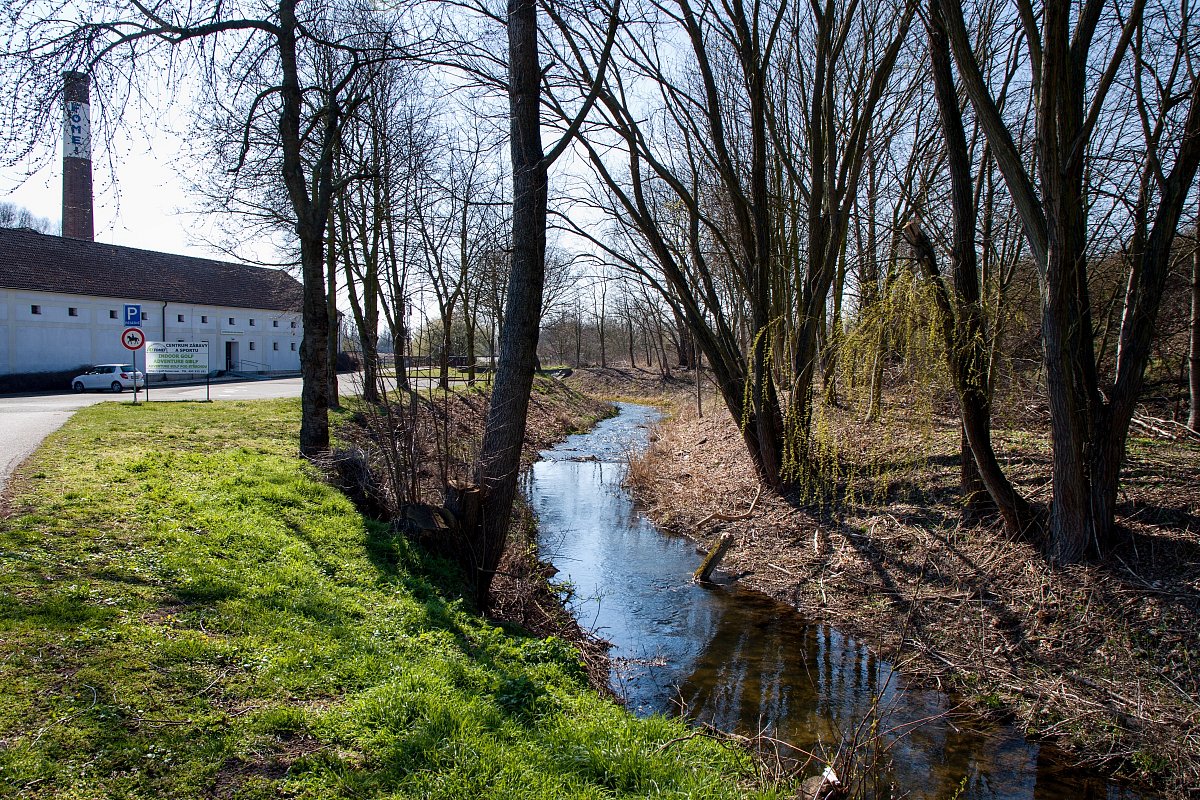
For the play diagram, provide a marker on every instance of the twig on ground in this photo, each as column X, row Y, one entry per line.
column 732, row 517
column 67, row 718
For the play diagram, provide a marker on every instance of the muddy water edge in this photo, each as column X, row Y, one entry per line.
column 741, row 662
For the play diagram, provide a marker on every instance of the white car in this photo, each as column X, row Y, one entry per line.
column 109, row 378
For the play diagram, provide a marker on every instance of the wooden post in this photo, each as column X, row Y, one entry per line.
column 713, row 559
column 465, row 501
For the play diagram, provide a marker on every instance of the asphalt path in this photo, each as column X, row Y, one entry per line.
column 27, row 419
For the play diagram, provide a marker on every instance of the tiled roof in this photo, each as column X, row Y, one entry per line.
column 41, row 263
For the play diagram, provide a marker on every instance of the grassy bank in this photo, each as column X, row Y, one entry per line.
column 186, row 611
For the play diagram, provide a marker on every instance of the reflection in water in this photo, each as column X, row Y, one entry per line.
column 741, row 662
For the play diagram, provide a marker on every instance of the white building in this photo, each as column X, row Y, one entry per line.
column 61, row 303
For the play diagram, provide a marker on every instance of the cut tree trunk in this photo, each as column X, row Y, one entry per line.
column 703, row 573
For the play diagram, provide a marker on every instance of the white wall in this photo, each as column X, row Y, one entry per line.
column 56, row 340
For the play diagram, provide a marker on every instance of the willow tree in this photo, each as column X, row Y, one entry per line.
column 730, row 142
column 958, row 301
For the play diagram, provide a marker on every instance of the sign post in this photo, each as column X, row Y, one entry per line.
column 133, row 339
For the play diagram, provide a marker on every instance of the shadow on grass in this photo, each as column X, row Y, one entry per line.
column 63, row 611
column 436, row 583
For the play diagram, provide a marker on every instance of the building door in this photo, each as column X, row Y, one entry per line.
column 231, row 355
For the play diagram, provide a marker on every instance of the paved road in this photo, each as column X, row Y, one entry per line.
column 26, row 419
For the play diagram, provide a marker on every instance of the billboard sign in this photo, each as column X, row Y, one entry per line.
column 177, row 358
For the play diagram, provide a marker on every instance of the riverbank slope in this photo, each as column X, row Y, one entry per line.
column 188, row 610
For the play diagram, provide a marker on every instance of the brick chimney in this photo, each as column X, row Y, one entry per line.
column 77, row 221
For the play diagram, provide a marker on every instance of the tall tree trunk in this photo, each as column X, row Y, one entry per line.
column 333, row 328
column 504, row 434
column 664, row 363
column 370, row 352
column 1066, row 312
column 833, row 339
column 398, row 279
column 310, row 230
column 578, row 339
column 603, row 349
column 629, row 327
column 444, row 360
column 685, row 344
column 963, row 320
column 472, row 320
column 1194, row 350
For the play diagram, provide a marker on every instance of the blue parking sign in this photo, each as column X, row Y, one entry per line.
column 133, row 315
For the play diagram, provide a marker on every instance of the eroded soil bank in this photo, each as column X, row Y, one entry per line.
column 1102, row 658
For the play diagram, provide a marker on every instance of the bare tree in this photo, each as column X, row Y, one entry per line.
column 487, row 517
column 14, row 216
column 736, row 191
column 1194, row 339
column 1077, row 62
column 366, row 220
column 959, row 306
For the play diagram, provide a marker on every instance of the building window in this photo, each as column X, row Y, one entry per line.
column 293, row 323
column 72, row 311
column 203, row 319
column 231, row 322
column 179, row 317
column 252, row 323
column 274, row 323
column 274, row 345
column 35, row 309
column 252, row 345
column 112, row 313
column 145, row 316
column 293, row 347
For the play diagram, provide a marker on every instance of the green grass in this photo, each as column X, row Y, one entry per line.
column 186, row 611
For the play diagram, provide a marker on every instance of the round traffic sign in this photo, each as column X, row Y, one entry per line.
column 133, row 338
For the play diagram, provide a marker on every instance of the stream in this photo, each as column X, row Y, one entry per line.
column 741, row 662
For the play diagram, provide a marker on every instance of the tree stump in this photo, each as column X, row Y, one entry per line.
column 465, row 502
column 713, row 559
